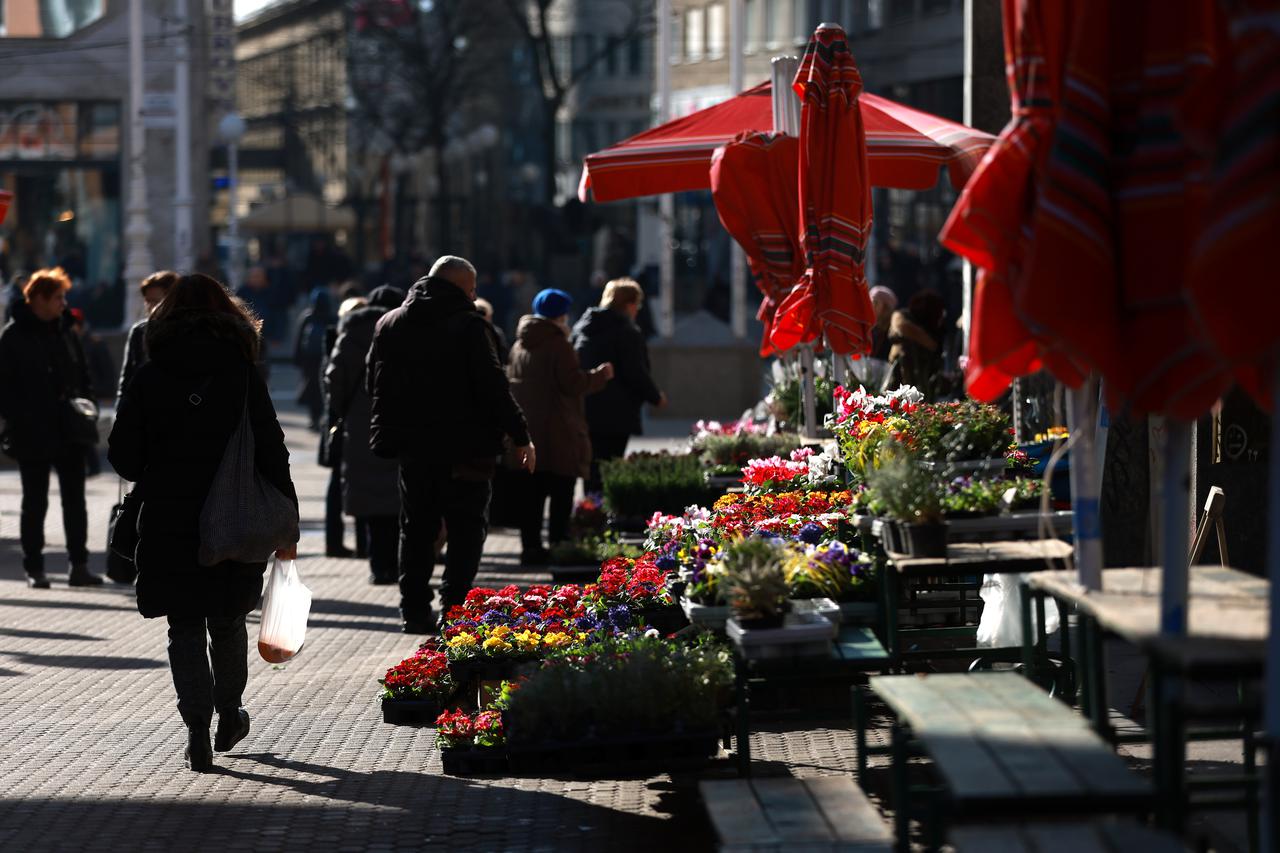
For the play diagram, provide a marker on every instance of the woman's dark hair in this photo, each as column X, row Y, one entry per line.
column 199, row 293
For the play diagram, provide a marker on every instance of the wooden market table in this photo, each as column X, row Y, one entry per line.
column 1227, row 626
column 1002, row 747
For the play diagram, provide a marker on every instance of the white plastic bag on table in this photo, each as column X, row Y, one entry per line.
column 1001, row 624
column 285, row 607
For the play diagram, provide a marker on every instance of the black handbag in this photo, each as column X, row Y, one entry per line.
column 80, row 421
column 122, row 537
column 329, row 454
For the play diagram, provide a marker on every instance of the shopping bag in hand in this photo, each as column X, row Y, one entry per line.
column 285, row 607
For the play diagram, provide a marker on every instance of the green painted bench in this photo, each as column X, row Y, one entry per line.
column 1119, row 836
column 827, row 813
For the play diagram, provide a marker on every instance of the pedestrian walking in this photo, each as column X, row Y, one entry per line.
column 609, row 334
column 550, row 386
column 441, row 405
column 153, row 289
column 50, row 420
column 331, row 451
column 309, row 352
column 499, row 337
column 172, row 426
column 370, row 484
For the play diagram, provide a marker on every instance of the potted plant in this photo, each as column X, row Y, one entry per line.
column 755, row 584
column 637, row 485
column 911, row 496
column 471, row 744
column 414, row 690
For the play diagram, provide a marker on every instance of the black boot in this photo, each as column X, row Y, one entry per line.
column 198, row 754
column 81, row 576
column 38, row 580
column 232, row 729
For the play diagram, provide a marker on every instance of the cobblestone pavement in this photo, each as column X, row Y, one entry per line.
column 91, row 743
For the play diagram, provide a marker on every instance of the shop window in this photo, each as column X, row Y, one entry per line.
column 775, row 22
column 677, row 38
column 695, row 33
column 50, row 19
column 751, row 11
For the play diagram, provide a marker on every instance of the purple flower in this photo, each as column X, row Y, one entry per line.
column 495, row 617
column 666, row 563
column 619, row 616
column 810, row 533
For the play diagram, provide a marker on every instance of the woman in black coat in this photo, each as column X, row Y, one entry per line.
column 172, row 427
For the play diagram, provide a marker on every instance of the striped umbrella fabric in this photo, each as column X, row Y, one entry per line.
column 835, row 204
column 753, row 184
column 905, row 148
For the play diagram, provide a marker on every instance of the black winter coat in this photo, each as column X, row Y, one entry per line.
column 135, row 355
column 172, row 446
column 370, row 485
column 600, row 335
column 42, row 365
column 438, row 393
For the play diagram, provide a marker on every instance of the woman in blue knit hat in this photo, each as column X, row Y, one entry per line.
column 549, row 385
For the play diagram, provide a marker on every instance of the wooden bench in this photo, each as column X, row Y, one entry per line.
column 1120, row 836
column 825, row 813
column 854, row 651
column 1001, row 746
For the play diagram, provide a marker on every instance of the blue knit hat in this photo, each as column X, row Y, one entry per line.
column 551, row 303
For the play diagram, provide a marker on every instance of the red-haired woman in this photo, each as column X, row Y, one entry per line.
column 172, row 427
column 42, row 370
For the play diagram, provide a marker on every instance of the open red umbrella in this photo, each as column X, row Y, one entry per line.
column 753, row 183
column 835, row 203
column 905, row 148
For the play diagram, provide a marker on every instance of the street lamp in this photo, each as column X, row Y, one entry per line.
column 231, row 129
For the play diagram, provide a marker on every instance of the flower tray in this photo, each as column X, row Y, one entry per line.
column 710, row 616
column 475, row 761
column 824, row 607
column 617, row 757
column 574, row 572
column 410, row 712
column 667, row 619
column 802, row 635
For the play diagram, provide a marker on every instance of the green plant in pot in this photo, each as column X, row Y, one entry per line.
column 756, row 583
column 912, row 497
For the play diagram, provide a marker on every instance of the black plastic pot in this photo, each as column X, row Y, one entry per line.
column 474, row 761
column 925, row 540
column 891, row 536
column 410, row 712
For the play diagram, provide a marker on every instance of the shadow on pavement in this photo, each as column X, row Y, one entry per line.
column 338, row 607
column 61, row 604
column 85, row 661
column 23, row 634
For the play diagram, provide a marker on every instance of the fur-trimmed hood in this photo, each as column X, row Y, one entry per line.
column 197, row 336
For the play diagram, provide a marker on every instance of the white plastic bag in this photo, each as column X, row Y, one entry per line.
column 285, row 607
column 1001, row 624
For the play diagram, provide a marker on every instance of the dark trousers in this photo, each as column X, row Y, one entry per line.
column 430, row 495
column 202, row 689
column 333, row 523
column 382, row 532
column 605, row 445
column 35, row 505
column 537, row 488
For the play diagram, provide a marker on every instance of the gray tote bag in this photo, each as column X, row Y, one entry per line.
column 245, row 518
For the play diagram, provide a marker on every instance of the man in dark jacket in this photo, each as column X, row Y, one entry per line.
column 42, row 369
column 370, row 490
column 609, row 334
column 442, row 406
column 153, row 287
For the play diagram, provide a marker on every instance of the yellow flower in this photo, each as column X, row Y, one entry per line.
column 527, row 640
column 501, row 631
column 557, row 640
column 461, row 641
column 496, row 644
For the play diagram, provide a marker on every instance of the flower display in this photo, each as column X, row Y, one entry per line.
column 454, row 729
column 423, row 675
column 487, row 729
column 774, row 474
column 588, row 517
column 828, row 570
column 735, row 516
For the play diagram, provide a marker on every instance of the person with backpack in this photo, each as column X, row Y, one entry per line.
column 309, row 351
column 173, row 428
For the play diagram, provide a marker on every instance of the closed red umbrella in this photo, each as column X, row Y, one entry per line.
column 905, row 148
column 835, row 203
column 753, row 183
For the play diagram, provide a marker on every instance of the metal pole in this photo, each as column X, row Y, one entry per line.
column 737, row 258
column 1271, row 737
column 786, row 106
column 182, row 202
column 138, row 231
column 233, row 220
column 667, row 202
column 1083, row 413
column 1176, row 507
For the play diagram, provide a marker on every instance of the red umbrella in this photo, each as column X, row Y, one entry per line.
column 835, row 203
column 6, row 198
column 753, row 183
column 905, row 148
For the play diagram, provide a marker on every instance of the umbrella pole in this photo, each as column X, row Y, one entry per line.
column 1175, row 544
column 1271, row 785
column 1082, row 420
column 808, row 391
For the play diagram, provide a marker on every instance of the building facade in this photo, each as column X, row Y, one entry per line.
column 64, row 141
